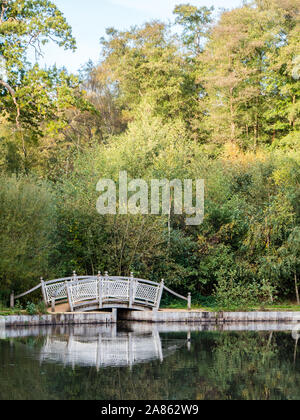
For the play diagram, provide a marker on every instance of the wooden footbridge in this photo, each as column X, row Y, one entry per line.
column 92, row 293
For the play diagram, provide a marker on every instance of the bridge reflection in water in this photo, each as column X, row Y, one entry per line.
column 107, row 348
column 134, row 343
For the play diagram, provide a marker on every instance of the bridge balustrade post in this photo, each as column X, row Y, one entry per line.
column 53, row 305
column 69, row 294
column 106, row 289
column 161, row 289
column 189, row 301
column 100, row 290
column 12, row 299
column 44, row 291
column 131, row 291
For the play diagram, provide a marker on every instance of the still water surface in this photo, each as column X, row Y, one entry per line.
column 150, row 362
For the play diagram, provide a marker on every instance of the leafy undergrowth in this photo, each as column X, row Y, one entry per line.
column 209, row 304
column 17, row 310
column 30, row 309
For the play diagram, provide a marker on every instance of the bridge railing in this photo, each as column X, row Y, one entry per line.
column 57, row 289
column 102, row 290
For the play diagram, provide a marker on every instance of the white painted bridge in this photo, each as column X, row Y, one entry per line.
column 92, row 293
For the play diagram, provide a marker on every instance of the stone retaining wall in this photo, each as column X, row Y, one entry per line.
column 205, row 317
column 57, row 319
column 149, row 316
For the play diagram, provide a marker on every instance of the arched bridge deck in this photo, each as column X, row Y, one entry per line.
column 91, row 293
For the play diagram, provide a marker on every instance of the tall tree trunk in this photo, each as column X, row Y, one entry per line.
column 256, row 125
column 232, row 116
column 256, row 131
column 296, row 289
column 293, row 119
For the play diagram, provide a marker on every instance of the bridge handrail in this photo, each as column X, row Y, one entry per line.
column 83, row 279
column 68, row 279
column 86, row 279
column 29, row 291
column 130, row 278
column 175, row 294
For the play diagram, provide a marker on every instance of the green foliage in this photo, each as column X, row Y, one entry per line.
column 42, row 308
column 215, row 100
column 17, row 310
column 27, row 220
column 31, row 309
column 194, row 22
column 233, row 295
column 36, row 309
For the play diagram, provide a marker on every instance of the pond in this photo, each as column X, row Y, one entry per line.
column 150, row 362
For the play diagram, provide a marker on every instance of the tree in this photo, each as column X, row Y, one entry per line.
column 195, row 23
column 28, row 95
column 145, row 64
column 232, row 68
column 246, row 70
column 25, row 24
column 283, row 113
column 103, row 94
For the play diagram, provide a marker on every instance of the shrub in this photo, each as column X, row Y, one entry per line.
column 42, row 308
column 31, row 308
column 230, row 294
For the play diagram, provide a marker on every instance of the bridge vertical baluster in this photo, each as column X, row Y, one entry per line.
column 53, row 305
column 44, row 293
column 12, row 300
column 100, row 290
column 131, row 290
column 161, row 289
column 107, row 286
column 135, row 285
column 70, row 296
column 75, row 292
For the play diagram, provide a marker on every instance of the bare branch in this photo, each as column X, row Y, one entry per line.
column 13, row 95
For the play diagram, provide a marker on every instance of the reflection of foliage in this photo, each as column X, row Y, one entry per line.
column 244, row 365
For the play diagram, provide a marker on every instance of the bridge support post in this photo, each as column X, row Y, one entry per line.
column 44, row 291
column 12, row 300
column 189, row 301
column 53, row 305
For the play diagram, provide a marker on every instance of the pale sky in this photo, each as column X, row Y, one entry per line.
column 90, row 18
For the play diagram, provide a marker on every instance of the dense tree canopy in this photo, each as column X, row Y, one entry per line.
column 209, row 95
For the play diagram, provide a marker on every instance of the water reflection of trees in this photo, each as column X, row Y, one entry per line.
column 227, row 365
